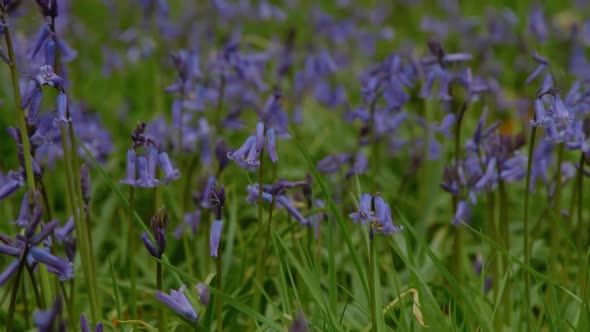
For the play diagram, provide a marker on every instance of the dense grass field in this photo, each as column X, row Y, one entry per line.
column 294, row 165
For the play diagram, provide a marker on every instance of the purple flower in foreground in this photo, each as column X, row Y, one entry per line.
column 380, row 220
column 178, row 302
column 383, row 212
column 170, row 171
column 46, row 320
column 542, row 65
column 215, row 237
column 463, row 213
column 130, row 174
column 85, row 326
column 364, row 213
column 9, row 271
column 12, row 182
column 159, row 223
column 246, row 156
column 54, row 264
column 203, row 293
column 299, row 324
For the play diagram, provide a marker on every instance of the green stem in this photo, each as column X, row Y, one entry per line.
column 132, row 248
column 372, row 299
column 15, row 287
column 259, row 267
column 555, row 233
column 80, row 227
column 162, row 321
column 504, row 226
column 495, row 262
column 38, row 297
column 17, row 100
column 527, row 255
column 218, row 299
column 69, row 308
column 580, row 224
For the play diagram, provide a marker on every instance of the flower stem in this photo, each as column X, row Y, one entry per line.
column 580, row 223
column 259, row 267
column 372, row 300
column 80, row 226
column 162, row 316
column 15, row 287
column 504, row 228
column 218, row 299
column 132, row 248
column 17, row 100
column 527, row 255
column 555, row 234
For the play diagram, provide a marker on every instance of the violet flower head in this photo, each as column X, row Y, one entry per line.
column 299, row 324
column 130, row 173
column 271, row 145
column 365, row 213
column 12, row 182
column 203, row 293
column 145, row 178
column 463, row 213
column 85, row 326
column 9, row 271
column 288, row 205
column 542, row 65
column 170, row 172
column 158, row 225
column 54, row 264
column 215, row 237
column 332, row 163
column 385, row 222
column 246, row 156
column 48, row 320
column 178, row 302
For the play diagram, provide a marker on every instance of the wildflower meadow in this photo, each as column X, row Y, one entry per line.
column 294, row 165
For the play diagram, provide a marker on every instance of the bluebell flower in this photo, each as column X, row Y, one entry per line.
column 271, row 145
column 463, row 213
column 48, row 320
column 332, row 163
column 215, row 237
column 203, row 293
column 246, row 156
column 286, row 203
column 85, row 326
column 54, row 264
column 385, row 221
column 365, row 213
column 62, row 107
column 8, row 272
column 178, row 302
column 542, row 65
column 12, row 182
column 130, row 178
column 145, row 178
column 170, row 172
column 536, row 24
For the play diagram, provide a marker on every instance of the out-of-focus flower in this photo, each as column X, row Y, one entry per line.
column 178, row 302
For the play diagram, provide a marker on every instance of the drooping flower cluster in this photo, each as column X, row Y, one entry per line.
column 158, row 226
column 375, row 212
column 141, row 168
